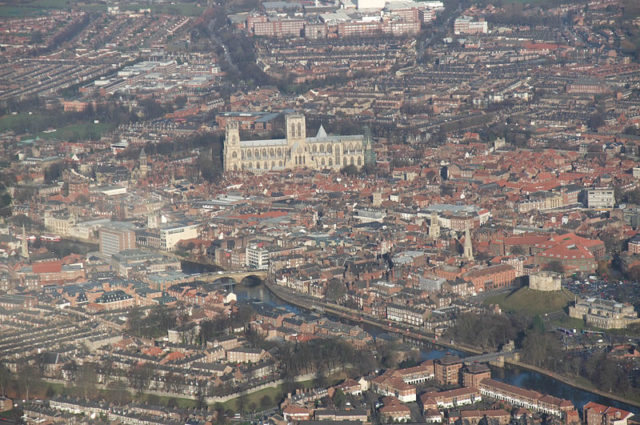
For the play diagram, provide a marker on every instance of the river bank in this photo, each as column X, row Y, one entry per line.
column 357, row 317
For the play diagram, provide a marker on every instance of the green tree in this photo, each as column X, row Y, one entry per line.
column 265, row 402
column 336, row 289
column 339, row 399
column 119, row 392
column 554, row 266
column 538, row 324
column 140, row 377
column 541, row 349
column 242, row 403
column 349, row 170
column 86, row 380
column 28, row 379
column 5, row 378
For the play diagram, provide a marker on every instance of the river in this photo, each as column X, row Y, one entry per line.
column 510, row 374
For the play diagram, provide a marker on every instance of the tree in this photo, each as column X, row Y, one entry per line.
column 349, row 170
column 339, row 399
column 242, row 403
column 28, row 378
column 265, row 402
column 119, row 392
column 134, row 320
column 595, row 121
column 336, row 289
column 201, row 402
column 140, row 377
column 554, row 266
column 5, row 201
column 53, row 172
column 5, row 379
column 86, row 380
column 541, row 349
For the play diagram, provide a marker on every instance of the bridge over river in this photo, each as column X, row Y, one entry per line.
column 237, row 276
column 496, row 359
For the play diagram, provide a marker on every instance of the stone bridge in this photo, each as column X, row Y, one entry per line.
column 237, row 276
column 496, row 359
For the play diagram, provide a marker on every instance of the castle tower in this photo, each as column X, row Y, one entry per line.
column 144, row 167
column 434, row 227
column 24, row 244
column 468, row 247
column 231, row 155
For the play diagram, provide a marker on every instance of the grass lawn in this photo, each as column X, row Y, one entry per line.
column 568, row 323
column 40, row 7
column 80, row 131
column 183, row 9
column 183, row 403
column 31, row 8
column 17, row 122
column 276, row 394
column 530, row 302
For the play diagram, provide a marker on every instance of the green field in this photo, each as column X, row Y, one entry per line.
column 275, row 394
column 18, row 9
column 30, row 124
column 31, row 8
column 78, row 132
column 530, row 302
column 183, row 9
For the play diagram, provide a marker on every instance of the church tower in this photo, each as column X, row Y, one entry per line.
column 231, row 156
column 144, row 166
column 24, row 244
column 369, row 153
column 434, row 227
column 296, row 140
column 468, row 247
column 296, row 128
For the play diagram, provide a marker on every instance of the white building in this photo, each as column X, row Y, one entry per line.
column 171, row 234
column 601, row 197
column 466, row 25
column 370, row 4
column 257, row 257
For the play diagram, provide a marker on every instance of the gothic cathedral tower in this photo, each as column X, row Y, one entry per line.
column 231, row 155
column 296, row 138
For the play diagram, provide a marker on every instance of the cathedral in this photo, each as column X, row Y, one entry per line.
column 295, row 151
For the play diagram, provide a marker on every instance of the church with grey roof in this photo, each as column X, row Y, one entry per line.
column 319, row 152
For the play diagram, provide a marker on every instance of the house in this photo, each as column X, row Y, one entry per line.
column 396, row 387
column 294, row 413
column 450, row 398
column 598, row 414
column 474, row 417
column 395, row 412
column 246, row 355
